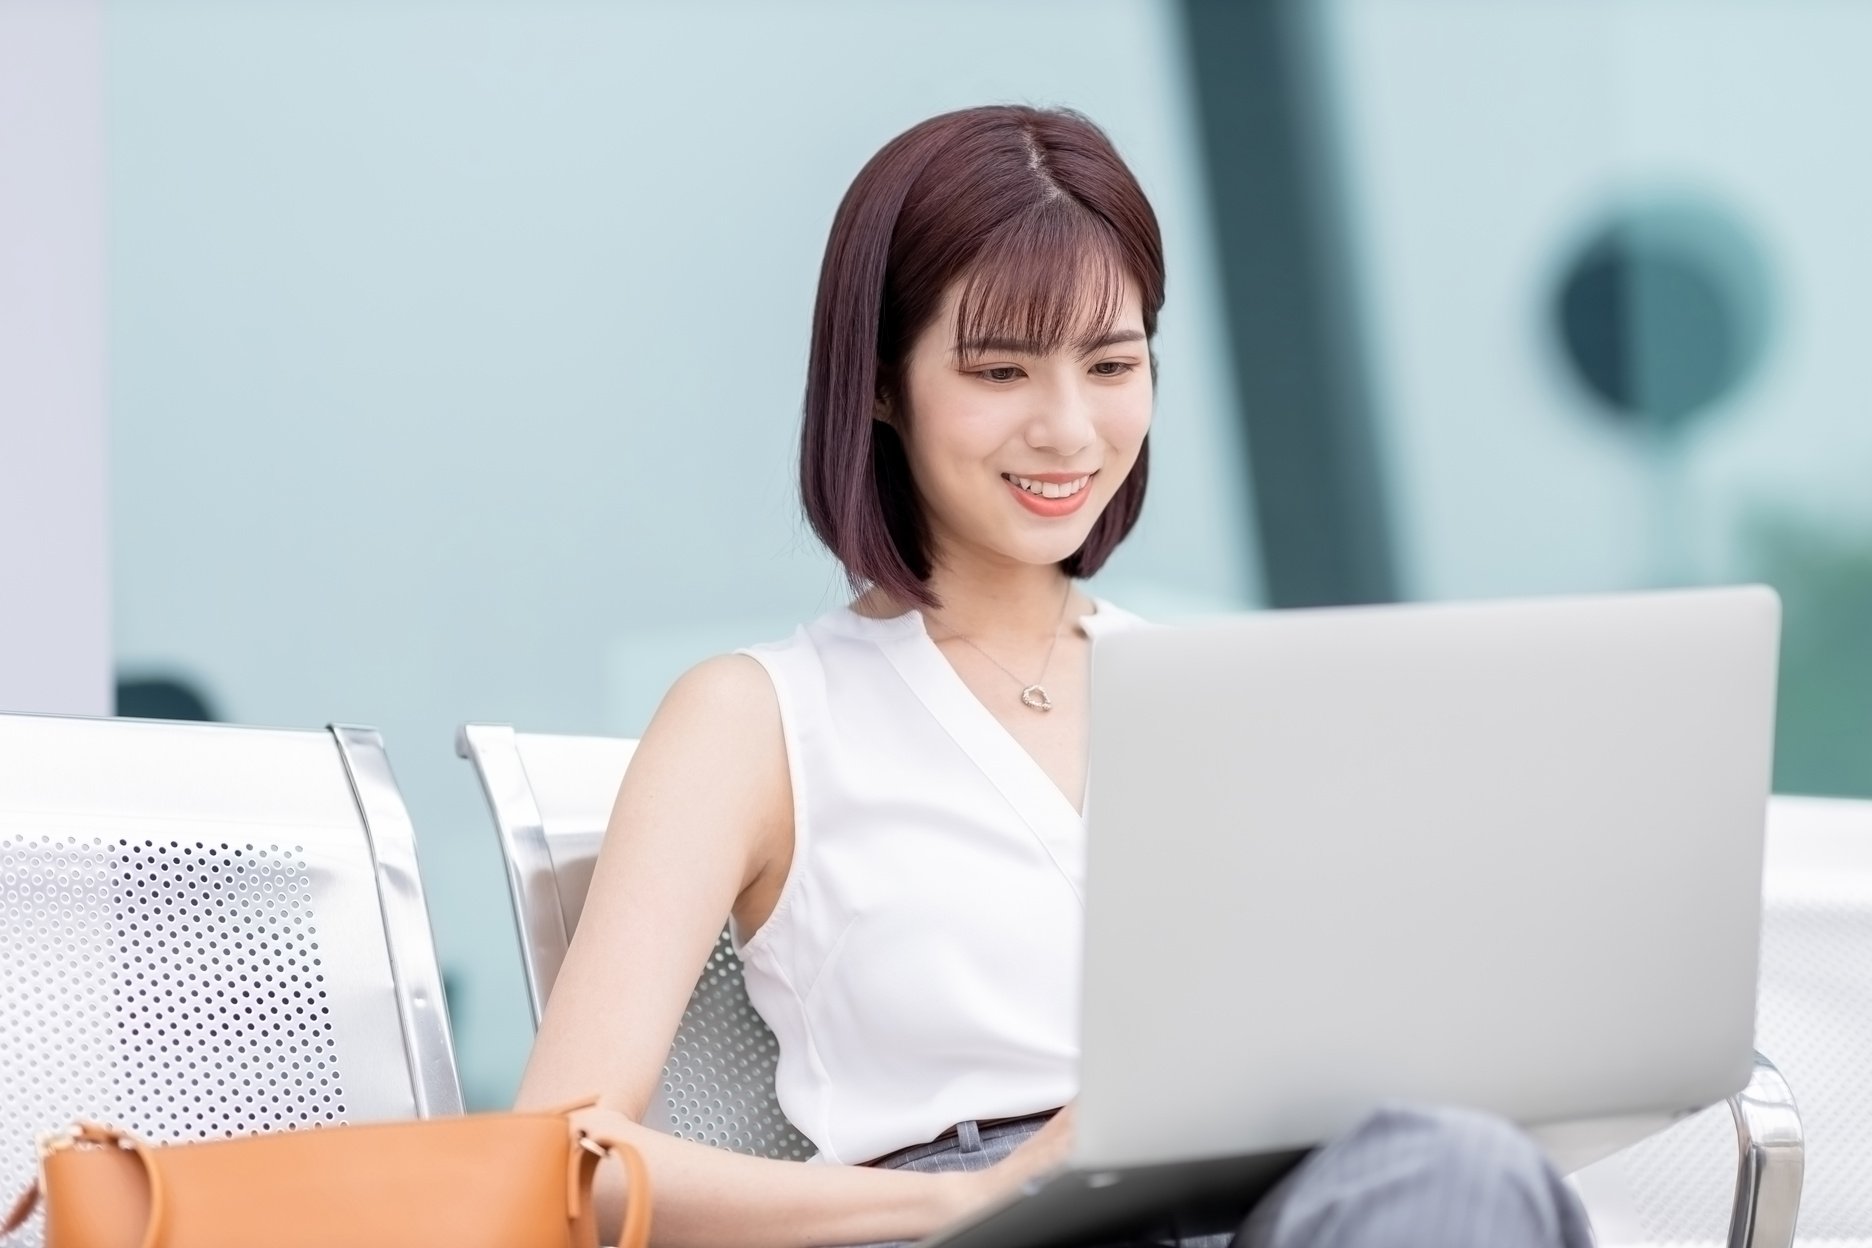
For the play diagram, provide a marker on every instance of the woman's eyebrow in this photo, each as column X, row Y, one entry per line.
column 994, row 342
column 1111, row 339
column 1028, row 346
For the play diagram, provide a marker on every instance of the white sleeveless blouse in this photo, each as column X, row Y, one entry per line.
column 921, row 966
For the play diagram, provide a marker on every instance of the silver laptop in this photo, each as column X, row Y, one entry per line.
column 1502, row 855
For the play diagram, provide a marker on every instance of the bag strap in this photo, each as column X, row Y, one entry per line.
column 21, row 1210
column 589, row 1149
column 90, row 1133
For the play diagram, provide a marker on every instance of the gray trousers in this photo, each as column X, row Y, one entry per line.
column 1404, row 1178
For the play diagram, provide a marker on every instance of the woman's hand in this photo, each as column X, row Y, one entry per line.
column 1040, row 1153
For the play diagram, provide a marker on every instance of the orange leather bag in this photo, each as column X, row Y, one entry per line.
column 493, row 1180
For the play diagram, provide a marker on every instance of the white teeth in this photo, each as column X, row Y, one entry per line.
column 1050, row 489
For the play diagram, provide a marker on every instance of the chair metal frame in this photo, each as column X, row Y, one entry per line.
column 1770, row 1161
column 422, row 1006
column 539, row 917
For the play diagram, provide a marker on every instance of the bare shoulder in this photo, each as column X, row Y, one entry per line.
column 716, row 743
column 727, row 690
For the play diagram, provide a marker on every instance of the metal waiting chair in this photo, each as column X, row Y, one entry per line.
column 551, row 799
column 207, row 931
column 1815, row 1017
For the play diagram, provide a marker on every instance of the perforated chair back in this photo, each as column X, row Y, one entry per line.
column 207, row 931
column 551, row 797
column 1814, row 1018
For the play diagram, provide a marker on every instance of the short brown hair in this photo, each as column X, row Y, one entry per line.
column 1034, row 211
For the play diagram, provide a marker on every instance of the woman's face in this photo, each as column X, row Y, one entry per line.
column 1016, row 453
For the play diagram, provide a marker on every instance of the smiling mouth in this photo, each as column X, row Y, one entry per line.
column 1041, row 488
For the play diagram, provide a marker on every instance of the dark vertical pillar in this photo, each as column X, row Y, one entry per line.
column 1297, row 364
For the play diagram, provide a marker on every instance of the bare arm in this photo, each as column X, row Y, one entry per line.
column 705, row 814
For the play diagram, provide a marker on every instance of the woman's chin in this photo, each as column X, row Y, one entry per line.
column 1046, row 550
column 1040, row 543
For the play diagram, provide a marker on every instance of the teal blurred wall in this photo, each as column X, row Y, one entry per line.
column 455, row 349
column 456, row 352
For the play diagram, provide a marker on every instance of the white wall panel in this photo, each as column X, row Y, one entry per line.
column 54, row 582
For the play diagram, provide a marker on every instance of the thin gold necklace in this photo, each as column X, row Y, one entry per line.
column 1032, row 695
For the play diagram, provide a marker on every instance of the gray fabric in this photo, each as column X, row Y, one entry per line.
column 1404, row 1178
column 1411, row 1178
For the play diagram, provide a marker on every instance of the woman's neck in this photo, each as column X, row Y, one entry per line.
column 1021, row 603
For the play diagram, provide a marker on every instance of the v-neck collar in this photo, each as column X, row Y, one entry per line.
column 1018, row 775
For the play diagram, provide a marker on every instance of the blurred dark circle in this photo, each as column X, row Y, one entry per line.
column 1663, row 312
column 162, row 697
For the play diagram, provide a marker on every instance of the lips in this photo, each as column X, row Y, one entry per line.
column 1050, row 494
column 1052, row 485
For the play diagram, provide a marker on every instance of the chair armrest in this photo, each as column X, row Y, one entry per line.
column 1770, row 1160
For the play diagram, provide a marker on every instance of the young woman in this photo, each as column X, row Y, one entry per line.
column 886, row 804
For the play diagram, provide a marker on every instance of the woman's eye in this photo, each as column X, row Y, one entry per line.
column 1002, row 372
column 1111, row 368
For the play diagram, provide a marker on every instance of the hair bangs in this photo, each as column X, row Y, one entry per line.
column 1051, row 277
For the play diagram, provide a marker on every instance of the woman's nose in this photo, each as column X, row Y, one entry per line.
column 1062, row 424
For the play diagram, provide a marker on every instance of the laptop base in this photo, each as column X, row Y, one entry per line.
column 1079, row 1208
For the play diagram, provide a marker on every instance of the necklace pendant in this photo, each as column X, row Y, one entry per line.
column 1036, row 697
